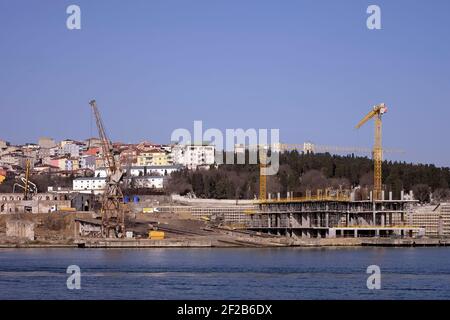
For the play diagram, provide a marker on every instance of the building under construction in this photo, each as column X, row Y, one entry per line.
column 328, row 215
column 325, row 216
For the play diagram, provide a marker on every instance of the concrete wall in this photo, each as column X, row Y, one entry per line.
column 4, row 197
column 212, row 202
column 20, row 229
column 42, row 202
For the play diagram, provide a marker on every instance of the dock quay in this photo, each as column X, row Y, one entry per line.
column 142, row 243
column 421, row 242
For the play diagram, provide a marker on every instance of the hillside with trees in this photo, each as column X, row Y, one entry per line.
column 301, row 172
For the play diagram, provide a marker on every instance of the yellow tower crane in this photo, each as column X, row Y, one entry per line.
column 305, row 148
column 262, row 174
column 376, row 113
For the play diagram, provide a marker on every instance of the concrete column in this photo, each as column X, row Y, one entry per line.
column 390, row 195
column 278, row 196
column 383, row 217
column 327, row 220
column 356, row 233
column 76, row 226
column 331, row 233
column 402, row 195
column 298, row 219
column 382, row 195
column 374, row 217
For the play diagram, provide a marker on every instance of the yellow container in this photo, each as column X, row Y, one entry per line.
column 156, row 235
column 66, row 209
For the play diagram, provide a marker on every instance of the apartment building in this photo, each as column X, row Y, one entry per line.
column 72, row 149
column 3, row 145
column 129, row 156
column 97, row 185
column 87, row 162
column 139, row 171
column 434, row 218
column 193, row 156
column 46, row 143
column 93, row 185
column 154, row 158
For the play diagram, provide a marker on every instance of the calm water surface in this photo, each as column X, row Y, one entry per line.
column 282, row 273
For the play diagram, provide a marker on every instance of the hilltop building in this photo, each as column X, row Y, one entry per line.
column 193, row 155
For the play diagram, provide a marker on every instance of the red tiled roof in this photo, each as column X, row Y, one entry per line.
column 91, row 151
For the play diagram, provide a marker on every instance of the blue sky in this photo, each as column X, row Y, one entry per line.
column 310, row 68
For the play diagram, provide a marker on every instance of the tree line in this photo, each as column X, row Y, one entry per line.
column 299, row 172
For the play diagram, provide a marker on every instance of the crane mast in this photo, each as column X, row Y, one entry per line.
column 262, row 174
column 26, row 190
column 113, row 209
column 376, row 113
column 29, row 188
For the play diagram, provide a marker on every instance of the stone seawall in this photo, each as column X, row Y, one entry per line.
column 143, row 243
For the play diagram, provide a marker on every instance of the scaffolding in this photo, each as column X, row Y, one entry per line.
column 322, row 218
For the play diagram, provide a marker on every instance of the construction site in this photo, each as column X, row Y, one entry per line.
column 322, row 217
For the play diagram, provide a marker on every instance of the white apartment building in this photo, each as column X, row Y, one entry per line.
column 72, row 149
column 308, row 147
column 434, row 218
column 137, row 171
column 97, row 185
column 193, row 155
column 89, row 185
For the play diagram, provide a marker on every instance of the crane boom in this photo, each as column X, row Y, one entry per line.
column 369, row 116
column 106, row 145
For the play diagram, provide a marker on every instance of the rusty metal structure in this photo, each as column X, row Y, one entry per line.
column 29, row 188
column 113, row 210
